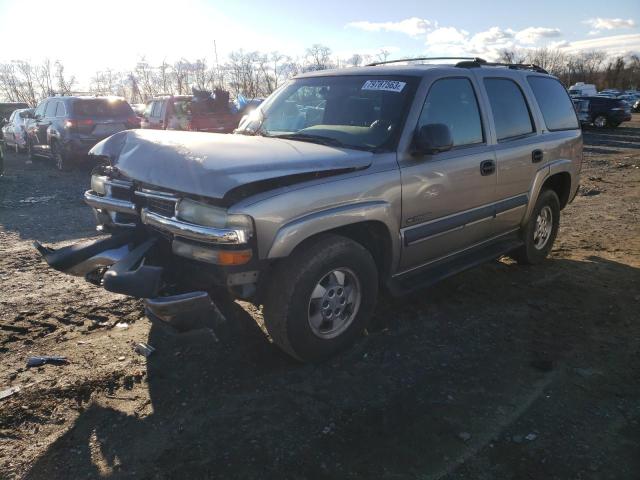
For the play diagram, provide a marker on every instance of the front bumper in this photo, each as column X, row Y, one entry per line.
column 221, row 236
column 124, row 264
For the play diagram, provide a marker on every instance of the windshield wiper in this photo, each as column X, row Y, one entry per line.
column 319, row 139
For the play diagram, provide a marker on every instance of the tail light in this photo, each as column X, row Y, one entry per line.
column 85, row 124
column 133, row 121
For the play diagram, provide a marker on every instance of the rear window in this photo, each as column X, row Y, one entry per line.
column 554, row 103
column 102, row 108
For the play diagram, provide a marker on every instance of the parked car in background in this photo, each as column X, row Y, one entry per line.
column 14, row 132
column 603, row 112
column 582, row 110
column 139, row 108
column 343, row 182
column 582, row 89
column 202, row 112
column 65, row 128
column 6, row 109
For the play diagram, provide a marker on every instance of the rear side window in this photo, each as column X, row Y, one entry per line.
column 51, row 109
column 61, row 111
column 100, row 108
column 510, row 111
column 453, row 102
column 554, row 103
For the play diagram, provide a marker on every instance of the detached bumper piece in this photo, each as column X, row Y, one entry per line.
column 127, row 273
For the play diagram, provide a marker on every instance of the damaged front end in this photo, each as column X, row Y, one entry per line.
column 154, row 254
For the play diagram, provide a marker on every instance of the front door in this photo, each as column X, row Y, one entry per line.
column 447, row 197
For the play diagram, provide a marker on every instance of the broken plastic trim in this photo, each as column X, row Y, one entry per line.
column 131, row 277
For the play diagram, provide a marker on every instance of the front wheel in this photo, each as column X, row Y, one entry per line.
column 541, row 230
column 321, row 297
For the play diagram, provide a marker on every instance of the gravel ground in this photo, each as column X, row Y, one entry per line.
column 502, row 372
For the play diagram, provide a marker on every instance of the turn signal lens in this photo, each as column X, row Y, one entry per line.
column 234, row 257
column 208, row 254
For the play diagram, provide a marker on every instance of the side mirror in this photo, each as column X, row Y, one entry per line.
column 433, row 138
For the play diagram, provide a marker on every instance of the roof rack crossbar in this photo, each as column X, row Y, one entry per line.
column 415, row 59
column 512, row 66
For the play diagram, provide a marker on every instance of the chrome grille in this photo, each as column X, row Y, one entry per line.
column 166, row 208
column 158, row 202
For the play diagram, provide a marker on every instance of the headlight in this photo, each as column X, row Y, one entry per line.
column 210, row 216
column 98, row 184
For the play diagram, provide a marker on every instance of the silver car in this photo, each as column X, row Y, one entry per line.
column 342, row 183
column 14, row 131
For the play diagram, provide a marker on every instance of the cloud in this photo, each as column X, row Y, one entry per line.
column 613, row 46
column 447, row 35
column 532, row 35
column 413, row 26
column 598, row 24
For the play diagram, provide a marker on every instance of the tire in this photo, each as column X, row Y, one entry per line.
column 347, row 273
column 536, row 246
column 600, row 121
column 63, row 163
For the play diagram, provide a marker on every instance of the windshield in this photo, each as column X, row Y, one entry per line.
column 363, row 112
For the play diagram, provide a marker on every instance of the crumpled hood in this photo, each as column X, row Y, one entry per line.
column 211, row 165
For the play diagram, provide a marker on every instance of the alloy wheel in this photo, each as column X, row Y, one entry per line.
column 544, row 226
column 334, row 303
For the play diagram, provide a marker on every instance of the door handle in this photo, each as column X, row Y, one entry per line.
column 537, row 156
column 487, row 167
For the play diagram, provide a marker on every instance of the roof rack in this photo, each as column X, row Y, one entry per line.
column 478, row 62
column 415, row 59
column 468, row 62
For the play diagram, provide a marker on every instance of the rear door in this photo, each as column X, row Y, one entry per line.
column 519, row 146
column 446, row 197
column 42, row 125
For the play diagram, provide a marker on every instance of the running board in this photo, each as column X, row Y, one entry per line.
column 433, row 273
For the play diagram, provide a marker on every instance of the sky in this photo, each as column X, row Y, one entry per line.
column 90, row 36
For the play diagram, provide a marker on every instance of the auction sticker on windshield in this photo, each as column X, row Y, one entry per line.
column 386, row 85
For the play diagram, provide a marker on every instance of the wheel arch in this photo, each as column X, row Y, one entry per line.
column 370, row 224
column 561, row 184
column 560, row 176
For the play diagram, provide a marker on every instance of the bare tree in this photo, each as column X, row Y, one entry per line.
column 318, row 57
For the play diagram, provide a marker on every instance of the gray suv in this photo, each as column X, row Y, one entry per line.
column 340, row 184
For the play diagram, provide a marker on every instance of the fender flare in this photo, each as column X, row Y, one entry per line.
column 296, row 231
column 557, row 166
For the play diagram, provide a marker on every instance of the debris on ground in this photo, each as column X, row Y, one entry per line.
column 42, row 360
column 464, row 436
column 144, row 349
column 7, row 392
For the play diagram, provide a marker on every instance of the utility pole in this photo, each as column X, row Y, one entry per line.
column 215, row 51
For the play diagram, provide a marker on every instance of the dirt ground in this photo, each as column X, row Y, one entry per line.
column 502, row 372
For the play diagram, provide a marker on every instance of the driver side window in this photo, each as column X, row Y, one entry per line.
column 453, row 102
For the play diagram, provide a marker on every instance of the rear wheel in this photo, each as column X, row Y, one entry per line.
column 541, row 230
column 600, row 121
column 321, row 297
